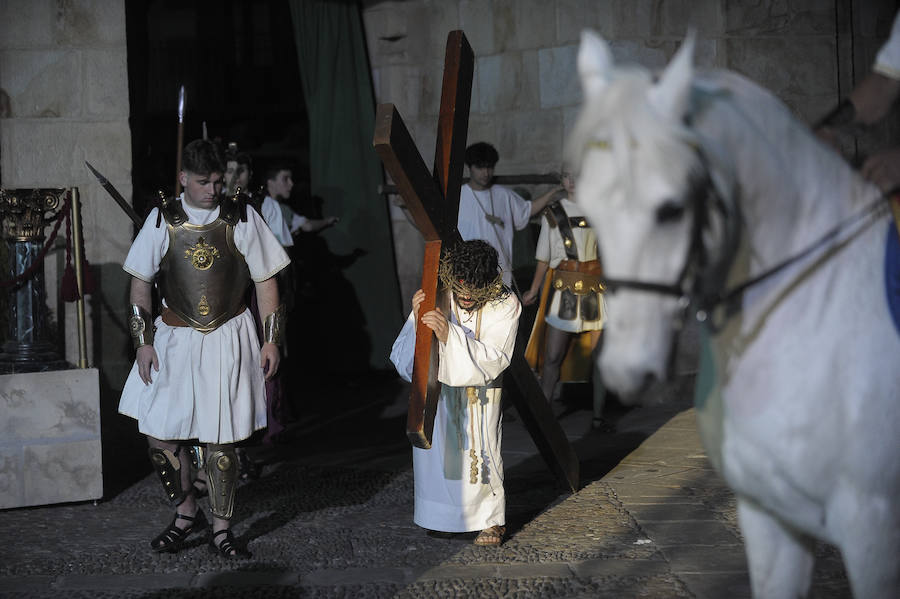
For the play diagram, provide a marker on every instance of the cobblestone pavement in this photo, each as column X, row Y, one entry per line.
column 331, row 516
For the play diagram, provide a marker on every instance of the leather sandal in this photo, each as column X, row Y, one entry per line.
column 227, row 547
column 172, row 538
column 491, row 537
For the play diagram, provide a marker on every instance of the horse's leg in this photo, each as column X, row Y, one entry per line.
column 780, row 559
column 867, row 529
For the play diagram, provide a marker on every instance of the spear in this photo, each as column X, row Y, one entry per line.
column 180, row 141
column 123, row 204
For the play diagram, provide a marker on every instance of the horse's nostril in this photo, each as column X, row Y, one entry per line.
column 649, row 379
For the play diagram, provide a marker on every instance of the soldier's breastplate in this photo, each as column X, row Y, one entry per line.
column 203, row 276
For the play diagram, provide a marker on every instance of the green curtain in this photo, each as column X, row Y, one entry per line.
column 345, row 172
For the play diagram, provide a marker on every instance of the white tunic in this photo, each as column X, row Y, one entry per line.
column 499, row 202
column 274, row 217
column 209, row 387
column 550, row 249
column 445, row 498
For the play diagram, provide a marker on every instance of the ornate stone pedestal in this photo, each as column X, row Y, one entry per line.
column 29, row 345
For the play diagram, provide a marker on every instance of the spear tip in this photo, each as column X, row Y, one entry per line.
column 181, row 104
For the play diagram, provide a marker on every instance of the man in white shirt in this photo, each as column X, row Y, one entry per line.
column 492, row 212
column 279, row 183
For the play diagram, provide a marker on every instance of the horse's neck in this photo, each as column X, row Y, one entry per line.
column 791, row 189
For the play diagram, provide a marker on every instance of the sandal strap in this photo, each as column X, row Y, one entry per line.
column 226, row 545
column 193, row 518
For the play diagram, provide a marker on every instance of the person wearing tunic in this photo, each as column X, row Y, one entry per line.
column 492, row 212
column 459, row 480
column 201, row 374
column 567, row 262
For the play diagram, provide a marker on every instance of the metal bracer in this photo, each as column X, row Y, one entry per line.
column 274, row 326
column 141, row 326
column 168, row 467
column 222, row 473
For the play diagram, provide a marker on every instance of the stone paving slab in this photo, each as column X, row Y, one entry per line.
column 336, row 521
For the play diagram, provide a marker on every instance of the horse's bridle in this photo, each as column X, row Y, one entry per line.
column 692, row 284
column 701, row 281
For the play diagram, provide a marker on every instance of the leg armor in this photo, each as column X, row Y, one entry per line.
column 222, row 471
column 168, row 467
column 198, row 457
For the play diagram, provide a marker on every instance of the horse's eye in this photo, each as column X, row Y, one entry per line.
column 669, row 212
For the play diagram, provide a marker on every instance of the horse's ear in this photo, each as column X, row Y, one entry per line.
column 671, row 93
column 595, row 63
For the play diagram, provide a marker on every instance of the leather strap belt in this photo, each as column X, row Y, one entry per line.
column 173, row 320
column 592, row 267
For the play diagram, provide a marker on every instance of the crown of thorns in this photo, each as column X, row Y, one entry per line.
column 481, row 295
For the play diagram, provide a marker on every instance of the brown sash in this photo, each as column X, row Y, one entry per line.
column 591, row 267
column 173, row 320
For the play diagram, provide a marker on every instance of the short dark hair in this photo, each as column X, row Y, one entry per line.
column 275, row 167
column 482, row 154
column 233, row 155
column 202, row 157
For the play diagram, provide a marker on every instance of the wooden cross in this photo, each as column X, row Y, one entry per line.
column 433, row 202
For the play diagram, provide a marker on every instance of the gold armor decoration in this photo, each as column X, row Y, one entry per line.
column 203, row 276
column 202, row 255
column 579, row 283
column 221, row 471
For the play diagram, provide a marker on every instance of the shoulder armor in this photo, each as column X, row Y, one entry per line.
column 233, row 208
column 172, row 211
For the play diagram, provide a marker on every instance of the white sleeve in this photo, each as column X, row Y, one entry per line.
column 887, row 62
column 297, row 221
column 274, row 217
column 520, row 208
column 542, row 250
column 404, row 349
column 147, row 249
column 467, row 362
column 264, row 254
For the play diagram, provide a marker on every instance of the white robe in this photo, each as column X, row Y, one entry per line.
column 445, row 498
column 209, row 387
column 502, row 203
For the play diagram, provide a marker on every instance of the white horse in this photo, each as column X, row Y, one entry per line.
column 696, row 184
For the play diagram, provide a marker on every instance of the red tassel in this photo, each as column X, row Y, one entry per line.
column 68, row 287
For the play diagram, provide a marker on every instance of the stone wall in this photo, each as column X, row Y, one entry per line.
column 63, row 73
column 526, row 92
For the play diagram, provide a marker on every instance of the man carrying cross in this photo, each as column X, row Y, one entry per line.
column 459, row 481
